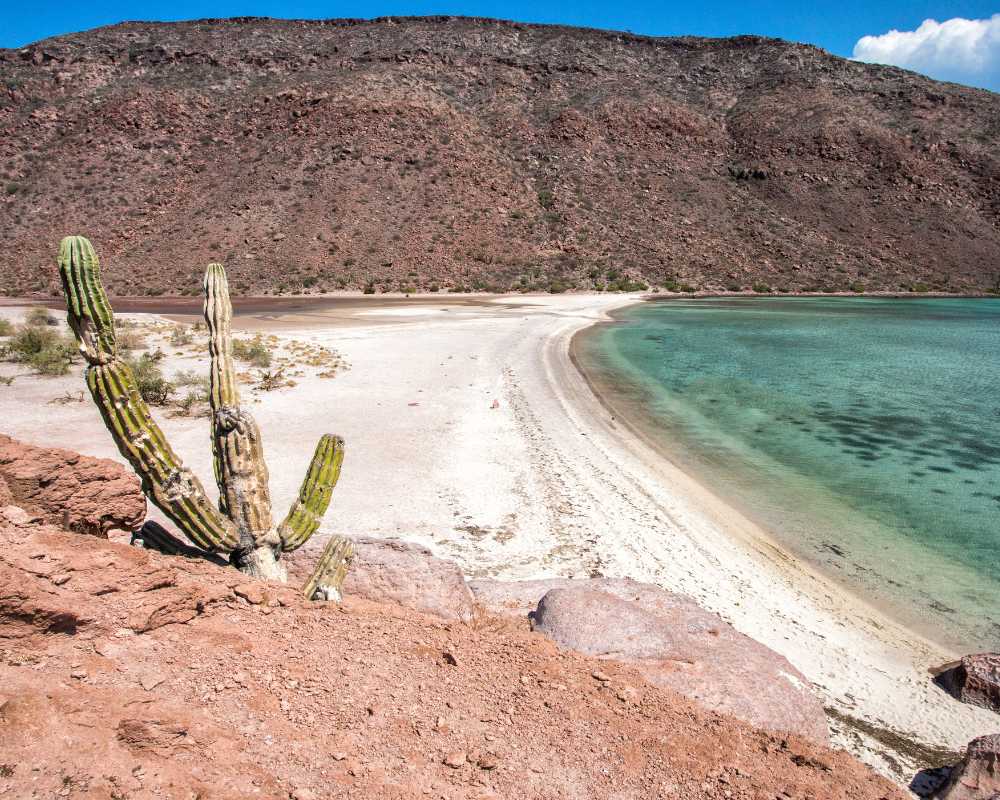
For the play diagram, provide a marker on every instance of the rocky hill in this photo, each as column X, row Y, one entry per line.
column 450, row 152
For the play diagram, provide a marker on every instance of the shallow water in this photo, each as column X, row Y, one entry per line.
column 863, row 433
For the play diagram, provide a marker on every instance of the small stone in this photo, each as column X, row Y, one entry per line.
column 61, row 578
column 340, row 755
column 303, row 794
column 455, row 759
column 253, row 593
column 450, row 658
column 79, row 674
column 597, row 675
column 487, row 762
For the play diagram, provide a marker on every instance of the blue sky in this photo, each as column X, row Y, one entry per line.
column 969, row 53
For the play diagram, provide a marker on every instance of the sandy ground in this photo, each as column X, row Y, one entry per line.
column 545, row 484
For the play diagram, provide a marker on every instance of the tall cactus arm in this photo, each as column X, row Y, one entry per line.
column 236, row 444
column 314, row 495
column 88, row 310
column 172, row 487
column 327, row 580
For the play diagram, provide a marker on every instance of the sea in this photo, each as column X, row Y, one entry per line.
column 863, row 434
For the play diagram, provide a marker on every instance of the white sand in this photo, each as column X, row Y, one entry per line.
column 546, row 484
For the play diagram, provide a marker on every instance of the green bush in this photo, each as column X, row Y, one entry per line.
column 153, row 387
column 45, row 350
column 761, row 288
column 6, row 327
column 858, row 287
column 919, row 287
column 253, row 351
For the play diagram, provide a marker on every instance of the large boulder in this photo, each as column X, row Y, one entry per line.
column 978, row 776
column 76, row 492
column 394, row 571
column 673, row 642
column 974, row 680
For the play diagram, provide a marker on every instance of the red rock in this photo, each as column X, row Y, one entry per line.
column 217, row 726
column 82, row 494
column 978, row 776
column 975, row 679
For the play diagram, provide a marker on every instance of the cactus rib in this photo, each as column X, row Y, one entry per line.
column 331, row 569
column 314, row 495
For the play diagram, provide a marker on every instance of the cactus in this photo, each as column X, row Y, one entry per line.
column 242, row 525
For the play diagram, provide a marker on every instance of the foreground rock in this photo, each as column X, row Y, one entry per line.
column 978, row 776
column 673, row 643
column 391, row 571
column 82, row 494
column 131, row 674
column 974, row 680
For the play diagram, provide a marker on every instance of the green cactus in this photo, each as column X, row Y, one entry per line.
column 242, row 525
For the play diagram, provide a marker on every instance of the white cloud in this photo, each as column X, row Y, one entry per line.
column 961, row 50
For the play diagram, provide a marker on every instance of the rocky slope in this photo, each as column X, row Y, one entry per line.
column 443, row 152
column 127, row 674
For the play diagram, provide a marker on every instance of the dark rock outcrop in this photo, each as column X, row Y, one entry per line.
column 72, row 491
column 975, row 679
column 978, row 776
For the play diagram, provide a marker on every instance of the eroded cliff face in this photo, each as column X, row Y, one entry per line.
column 170, row 677
column 443, row 152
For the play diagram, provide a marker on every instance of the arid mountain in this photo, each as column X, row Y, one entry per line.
column 453, row 152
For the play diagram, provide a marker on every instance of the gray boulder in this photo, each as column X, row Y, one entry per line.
column 673, row 642
column 393, row 571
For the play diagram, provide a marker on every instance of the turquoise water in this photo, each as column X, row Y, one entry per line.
column 863, row 433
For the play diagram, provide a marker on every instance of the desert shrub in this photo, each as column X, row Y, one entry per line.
column 546, row 199
column 153, row 387
column 39, row 316
column 45, row 350
column 6, row 327
column 180, row 336
column 253, row 351
column 858, row 287
column 271, row 379
column 919, row 287
column 761, row 288
column 130, row 339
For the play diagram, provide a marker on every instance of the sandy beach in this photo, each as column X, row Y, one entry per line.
column 470, row 430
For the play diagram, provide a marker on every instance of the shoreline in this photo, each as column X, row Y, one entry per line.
column 483, row 440
column 762, row 539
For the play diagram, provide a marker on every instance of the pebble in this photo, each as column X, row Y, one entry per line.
column 455, row 759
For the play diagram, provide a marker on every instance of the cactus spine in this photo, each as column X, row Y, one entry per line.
column 242, row 525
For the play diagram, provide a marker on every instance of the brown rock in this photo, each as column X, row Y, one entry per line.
column 455, row 759
column 675, row 643
column 974, row 680
column 977, row 777
column 392, row 571
column 82, row 494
